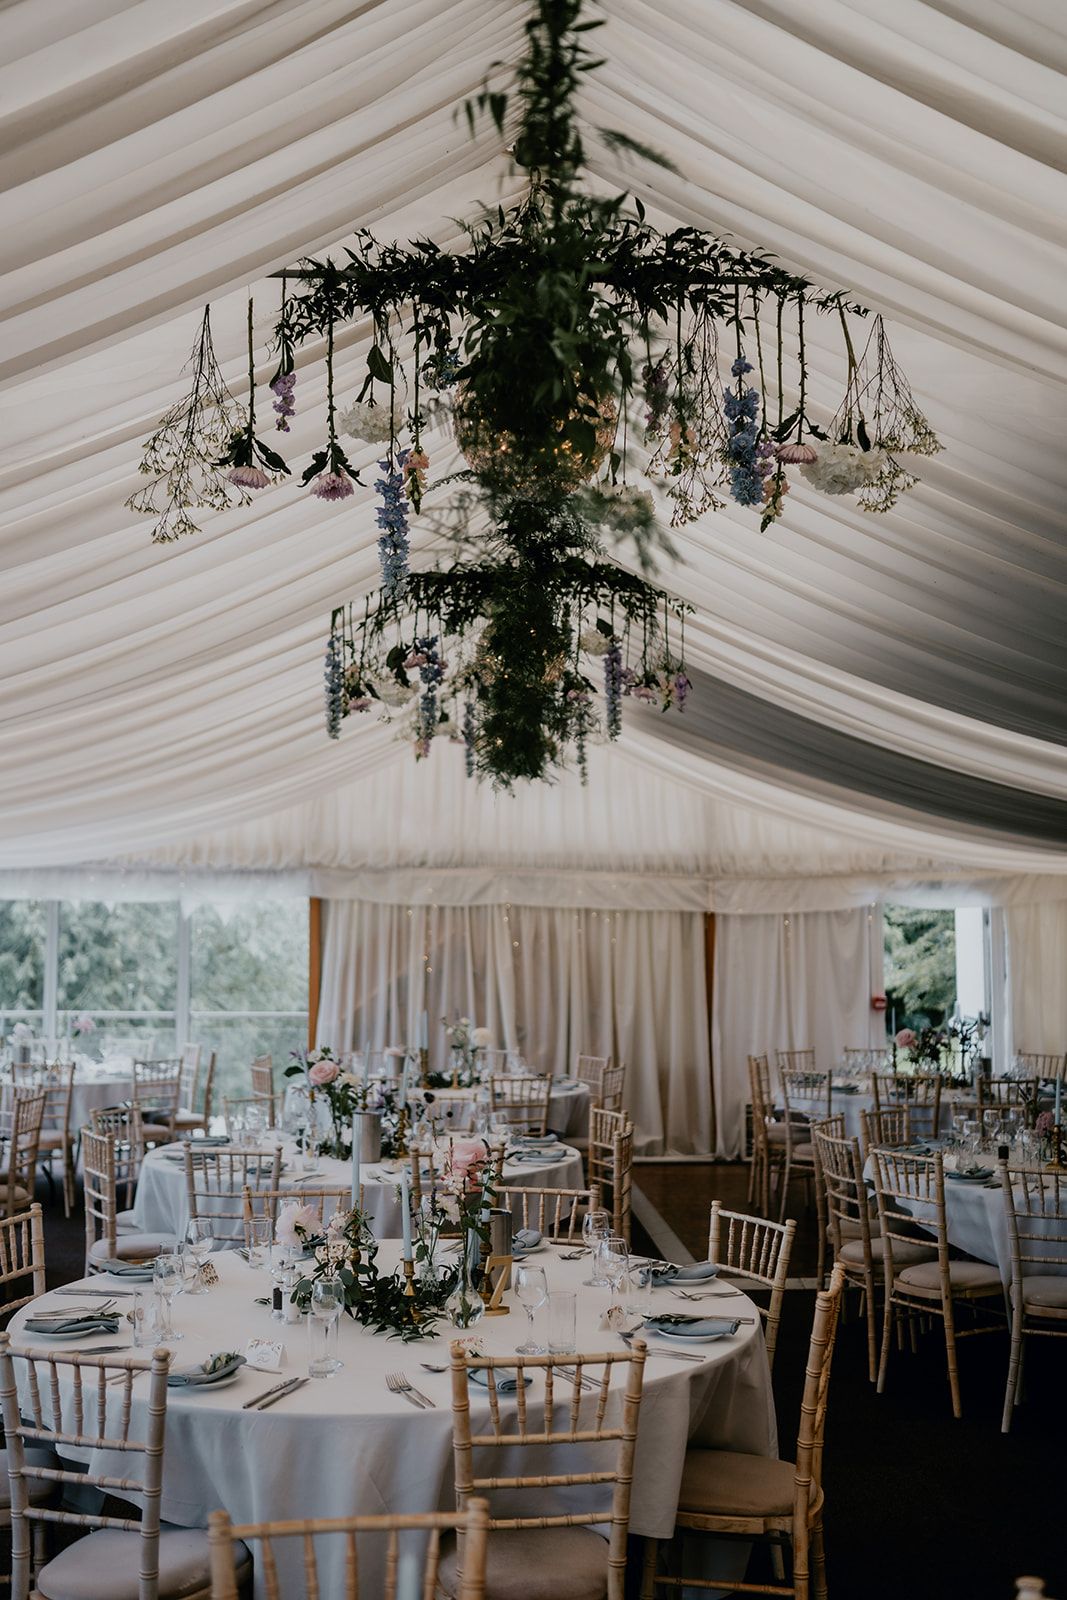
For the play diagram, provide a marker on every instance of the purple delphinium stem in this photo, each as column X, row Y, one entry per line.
column 392, row 518
column 613, row 688
column 335, row 681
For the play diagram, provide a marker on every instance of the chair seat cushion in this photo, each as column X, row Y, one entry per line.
column 38, row 1489
column 189, row 1119
column 535, row 1564
column 19, row 1197
column 904, row 1253
column 109, row 1562
column 850, row 1228
column 51, row 1138
column 965, row 1277
column 1044, row 1289
column 733, row 1484
column 124, row 1222
column 776, row 1131
column 156, row 1132
column 804, row 1152
column 133, row 1247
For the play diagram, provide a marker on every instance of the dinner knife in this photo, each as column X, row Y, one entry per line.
column 290, row 1388
column 278, row 1387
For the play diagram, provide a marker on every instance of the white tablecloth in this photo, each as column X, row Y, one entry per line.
column 346, row 1445
column 852, row 1103
column 161, row 1204
column 95, row 1087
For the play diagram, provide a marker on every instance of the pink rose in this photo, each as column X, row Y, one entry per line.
column 290, row 1218
column 467, row 1158
column 905, row 1039
column 323, row 1072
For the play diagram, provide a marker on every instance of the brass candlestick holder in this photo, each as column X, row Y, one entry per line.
column 402, row 1131
column 409, row 1290
column 424, row 1067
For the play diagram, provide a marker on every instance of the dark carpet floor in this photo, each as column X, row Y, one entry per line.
column 918, row 1505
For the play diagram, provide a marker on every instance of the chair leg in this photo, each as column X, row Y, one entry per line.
column 950, row 1354
column 1011, row 1393
column 801, row 1581
column 648, row 1570
column 777, row 1558
column 785, row 1189
column 872, row 1327
column 887, row 1336
column 818, row 1562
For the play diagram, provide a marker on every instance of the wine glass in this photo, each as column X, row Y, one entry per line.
column 595, row 1225
column 531, row 1291
column 199, row 1243
column 613, row 1260
column 168, row 1276
column 327, row 1301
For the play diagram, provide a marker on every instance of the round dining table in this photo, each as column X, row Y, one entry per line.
column 568, row 1106
column 161, row 1204
column 347, row 1445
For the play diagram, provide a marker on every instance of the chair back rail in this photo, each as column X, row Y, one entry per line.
column 758, row 1251
column 21, row 1258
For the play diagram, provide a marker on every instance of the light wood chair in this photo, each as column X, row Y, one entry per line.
column 216, row 1181
column 472, row 1525
column 104, row 1240
column 590, row 1071
column 561, row 1542
column 1035, row 1205
column 921, row 1094
column 555, row 1213
column 857, row 1245
column 426, row 1168
column 21, row 1112
column 1030, row 1589
column 727, row 1492
column 610, row 1165
column 768, row 1136
column 55, row 1136
column 889, row 1127
column 810, row 1094
column 1010, row 1094
column 21, row 1257
column 835, row 1126
column 908, row 1186
column 157, row 1092
column 755, row 1251
column 123, row 1123
column 1040, row 1064
column 325, row 1202
column 606, row 1083
column 523, row 1100
column 262, row 1076
column 194, row 1109
column 66, row 1395
column 798, row 1152
column 795, row 1060
column 859, row 1058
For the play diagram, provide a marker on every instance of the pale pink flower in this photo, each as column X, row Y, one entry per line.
column 332, row 486
column 802, row 454
column 292, row 1217
column 905, row 1039
column 249, row 478
column 466, row 1159
column 322, row 1073
column 362, row 702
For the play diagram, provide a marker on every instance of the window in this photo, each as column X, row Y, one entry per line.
column 119, row 964
column 23, row 945
column 920, row 966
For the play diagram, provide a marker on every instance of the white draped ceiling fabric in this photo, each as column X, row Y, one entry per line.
column 877, row 699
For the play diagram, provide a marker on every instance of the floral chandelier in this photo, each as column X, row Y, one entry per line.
column 575, row 350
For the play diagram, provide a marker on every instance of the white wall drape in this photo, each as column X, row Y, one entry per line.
column 789, row 982
column 548, row 982
column 1037, row 974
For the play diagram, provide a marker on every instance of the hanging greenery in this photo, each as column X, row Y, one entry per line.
column 559, row 323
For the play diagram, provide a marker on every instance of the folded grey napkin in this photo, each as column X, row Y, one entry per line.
column 138, row 1271
column 666, row 1272
column 204, row 1373
column 531, row 1141
column 525, row 1239
column 506, row 1383
column 694, row 1327
column 538, row 1158
column 93, row 1324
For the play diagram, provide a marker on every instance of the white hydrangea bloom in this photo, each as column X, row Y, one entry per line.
column 373, row 424
column 843, row 468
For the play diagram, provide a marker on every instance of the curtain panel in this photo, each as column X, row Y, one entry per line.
column 546, row 981
column 787, row 983
column 1037, row 975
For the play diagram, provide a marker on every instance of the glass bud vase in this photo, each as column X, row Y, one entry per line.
column 465, row 1306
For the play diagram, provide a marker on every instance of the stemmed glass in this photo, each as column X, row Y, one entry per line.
column 613, row 1261
column 199, row 1243
column 531, row 1291
column 596, row 1224
column 168, row 1276
column 327, row 1301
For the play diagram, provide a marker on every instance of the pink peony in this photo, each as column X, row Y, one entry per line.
column 803, row 454
column 249, row 478
column 323, row 1072
column 332, row 486
column 905, row 1039
column 466, row 1159
column 290, row 1218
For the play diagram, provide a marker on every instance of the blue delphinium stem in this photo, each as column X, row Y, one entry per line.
column 469, row 731
column 392, row 517
column 335, row 680
column 613, row 688
column 742, row 413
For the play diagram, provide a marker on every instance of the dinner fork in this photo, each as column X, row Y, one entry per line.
column 708, row 1294
column 398, row 1384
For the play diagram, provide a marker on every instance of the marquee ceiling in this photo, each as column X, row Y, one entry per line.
column 901, row 680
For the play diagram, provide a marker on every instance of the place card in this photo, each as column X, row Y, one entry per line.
column 265, row 1354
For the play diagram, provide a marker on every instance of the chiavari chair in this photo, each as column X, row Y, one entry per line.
column 105, row 1240
column 562, row 1542
column 910, row 1186
column 1040, row 1064
column 55, row 1136
column 428, row 1526
column 1018, row 1095
column 262, row 1076
column 22, row 1268
column 124, row 1124
column 835, row 1126
column 187, row 1116
column 798, row 1154
column 555, row 1213
column 495, row 1061
column 69, row 1404
column 756, row 1251
column 216, row 1181
column 767, row 1135
column 610, row 1164
column 813, row 1088
column 921, row 1094
column 427, row 1168
column 523, row 1100
column 325, row 1203
column 890, row 1127
column 727, row 1492
column 157, row 1091
column 21, row 1112
column 1035, row 1205
column 795, row 1060
column 860, row 1058
column 590, row 1071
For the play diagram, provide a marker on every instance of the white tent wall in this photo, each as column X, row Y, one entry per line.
column 546, row 981
column 1037, row 972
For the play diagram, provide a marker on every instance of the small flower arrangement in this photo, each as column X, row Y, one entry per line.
column 922, row 1047
column 83, row 1024
column 339, row 1091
